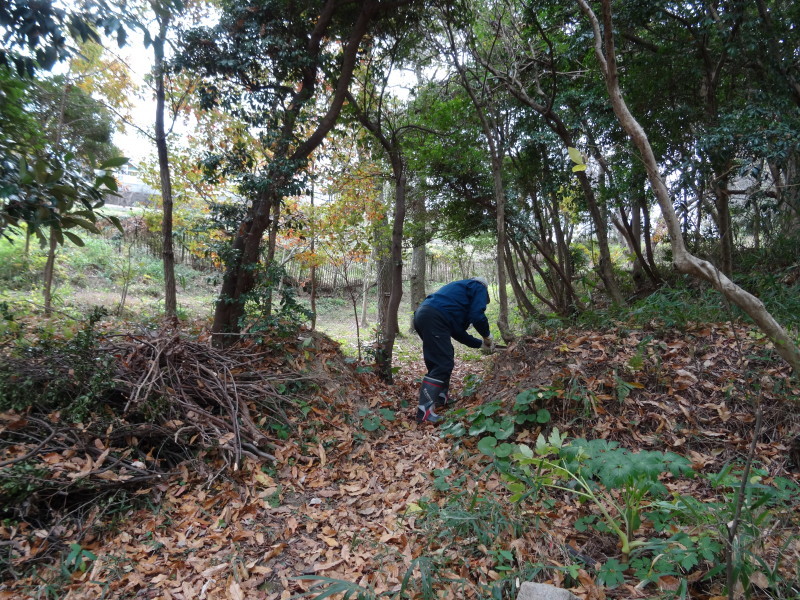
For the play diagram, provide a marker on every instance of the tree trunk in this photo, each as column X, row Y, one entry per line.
column 168, row 253
column 272, row 241
column 496, row 154
column 502, row 293
column 418, row 253
column 724, row 226
column 383, row 250
column 238, row 279
column 683, row 261
column 384, row 284
column 364, row 294
column 606, row 267
column 525, row 305
column 313, row 257
column 390, row 325
column 49, row 269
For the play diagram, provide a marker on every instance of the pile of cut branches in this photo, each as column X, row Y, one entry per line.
column 120, row 412
column 204, row 396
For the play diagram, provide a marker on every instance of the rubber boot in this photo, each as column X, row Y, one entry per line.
column 428, row 397
column 443, row 400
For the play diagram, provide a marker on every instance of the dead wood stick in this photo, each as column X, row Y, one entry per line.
column 33, row 452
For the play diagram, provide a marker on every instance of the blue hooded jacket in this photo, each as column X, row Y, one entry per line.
column 463, row 303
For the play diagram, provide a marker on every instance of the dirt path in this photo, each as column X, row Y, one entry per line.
column 342, row 506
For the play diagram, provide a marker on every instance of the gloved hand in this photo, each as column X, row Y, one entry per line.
column 488, row 345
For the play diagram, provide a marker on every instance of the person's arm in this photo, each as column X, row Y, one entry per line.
column 467, row 339
column 477, row 311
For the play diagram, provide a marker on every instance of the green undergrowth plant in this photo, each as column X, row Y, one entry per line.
column 685, row 301
column 614, row 481
column 767, row 525
column 20, row 270
column 57, row 370
column 272, row 308
column 494, row 425
column 661, row 536
column 375, row 420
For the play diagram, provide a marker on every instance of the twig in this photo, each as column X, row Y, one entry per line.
column 33, row 452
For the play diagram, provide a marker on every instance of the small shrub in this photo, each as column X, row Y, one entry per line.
column 57, row 372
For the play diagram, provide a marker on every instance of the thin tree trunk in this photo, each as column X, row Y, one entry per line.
column 418, row 253
column 390, row 325
column 524, row 304
column 496, row 154
column 500, row 206
column 364, row 294
column 167, row 253
column 724, row 225
column 272, row 242
column 683, row 261
column 49, row 269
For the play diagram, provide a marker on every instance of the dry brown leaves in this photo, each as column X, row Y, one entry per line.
column 342, row 503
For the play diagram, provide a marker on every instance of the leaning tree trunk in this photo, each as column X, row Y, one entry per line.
column 239, row 272
column 683, row 260
column 523, row 302
column 168, row 253
column 286, row 162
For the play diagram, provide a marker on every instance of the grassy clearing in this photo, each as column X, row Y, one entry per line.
column 127, row 281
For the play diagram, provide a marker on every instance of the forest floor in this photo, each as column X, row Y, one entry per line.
column 360, row 495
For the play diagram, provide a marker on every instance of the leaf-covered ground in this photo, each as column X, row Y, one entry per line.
column 359, row 493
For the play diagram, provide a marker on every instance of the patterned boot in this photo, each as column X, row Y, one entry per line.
column 428, row 398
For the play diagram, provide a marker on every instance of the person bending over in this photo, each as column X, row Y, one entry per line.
column 445, row 314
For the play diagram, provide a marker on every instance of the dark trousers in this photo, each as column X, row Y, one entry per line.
column 437, row 347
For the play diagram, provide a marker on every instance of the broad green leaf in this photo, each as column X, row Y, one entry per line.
column 505, row 429
column 118, row 224
column 489, row 409
column 487, row 445
column 371, row 423
column 478, row 428
column 504, row 450
column 112, row 163
column 525, row 451
column 74, row 238
column 524, row 397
